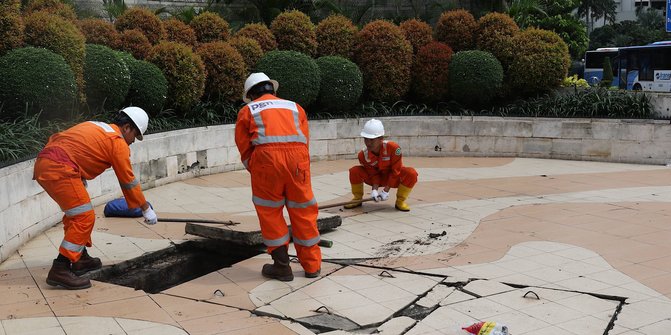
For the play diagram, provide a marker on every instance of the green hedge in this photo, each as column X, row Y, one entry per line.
column 184, row 71
column 107, row 78
column 34, row 80
column 475, row 77
column 341, row 84
column 148, row 86
column 297, row 73
column 11, row 25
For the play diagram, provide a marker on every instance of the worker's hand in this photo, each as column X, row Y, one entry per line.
column 375, row 195
column 149, row 216
column 384, row 195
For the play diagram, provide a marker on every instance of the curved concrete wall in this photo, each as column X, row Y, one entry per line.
column 25, row 209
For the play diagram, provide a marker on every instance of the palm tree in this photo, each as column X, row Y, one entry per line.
column 595, row 9
column 523, row 11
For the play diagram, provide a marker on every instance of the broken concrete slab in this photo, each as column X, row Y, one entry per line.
column 247, row 231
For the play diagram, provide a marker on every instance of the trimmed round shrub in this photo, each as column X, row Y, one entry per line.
column 475, row 76
column 60, row 36
column 260, row 33
column 99, row 31
column 184, row 71
column 135, row 42
column 148, row 87
column 293, row 30
column 210, row 27
column 541, row 61
column 417, row 32
column 384, row 57
column 456, row 28
column 225, row 71
column 142, row 19
column 341, row 85
column 335, row 36
column 297, row 73
column 107, row 78
column 56, row 7
column 11, row 25
column 495, row 34
column 178, row 31
column 39, row 79
column 430, row 82
column 249, row 49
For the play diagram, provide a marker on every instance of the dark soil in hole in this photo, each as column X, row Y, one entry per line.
column 177, row 264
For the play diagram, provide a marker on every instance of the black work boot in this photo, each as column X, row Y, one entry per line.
column 60, row 275
column 313, row 274
column 280, row 269
column 86, row 263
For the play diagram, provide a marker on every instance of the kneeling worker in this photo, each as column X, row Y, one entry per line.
column 381, row 166
column 69, row 159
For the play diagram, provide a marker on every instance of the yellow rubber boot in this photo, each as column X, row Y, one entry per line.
column 401, row 196
column 357, row 191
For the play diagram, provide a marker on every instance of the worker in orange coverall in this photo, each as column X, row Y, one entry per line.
column 381, row 166
column 62, row 168
column 272, row 136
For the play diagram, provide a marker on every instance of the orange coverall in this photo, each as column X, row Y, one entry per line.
column 272, row 136
column 384, row 170
column 69, row 159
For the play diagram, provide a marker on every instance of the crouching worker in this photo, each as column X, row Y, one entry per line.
column 272, row 136
column 381, row 166
column 62, row 168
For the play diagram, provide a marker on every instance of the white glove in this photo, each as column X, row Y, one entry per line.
column 375, row 195
column 150, row 216
column 384, row 195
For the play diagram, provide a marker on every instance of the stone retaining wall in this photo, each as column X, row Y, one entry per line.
column 25, row 210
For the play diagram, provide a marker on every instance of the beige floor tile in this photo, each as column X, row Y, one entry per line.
column 131, row 326
column 367, row 314
column 586, row 325
column 224, row 323
column 87, row 325
column 25, row 309
column 661, row 284
column 181, row 309
column 504, row 221
column 141, row 308
column 31, row 326
column 265, row 328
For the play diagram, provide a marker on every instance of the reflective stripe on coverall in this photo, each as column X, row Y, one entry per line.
column 69, row 159
column 272, row 136
column 384, row 170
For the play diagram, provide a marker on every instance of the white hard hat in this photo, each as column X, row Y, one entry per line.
column 139, row 117
column 257, row 78
column 373, row 129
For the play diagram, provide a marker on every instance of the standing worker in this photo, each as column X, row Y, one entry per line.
column 62, row 168
column 272, row 136
column 381, row 165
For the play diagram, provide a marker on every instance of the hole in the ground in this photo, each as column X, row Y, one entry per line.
column 160, row 270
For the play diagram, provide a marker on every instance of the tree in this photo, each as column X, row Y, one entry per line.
column 523, row 11
column 555, row 15
column 593, row 10
column 607, row 78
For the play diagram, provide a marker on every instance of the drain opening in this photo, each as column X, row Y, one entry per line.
column 160, row 270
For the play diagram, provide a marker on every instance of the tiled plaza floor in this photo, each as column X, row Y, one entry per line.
column 543, row 246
